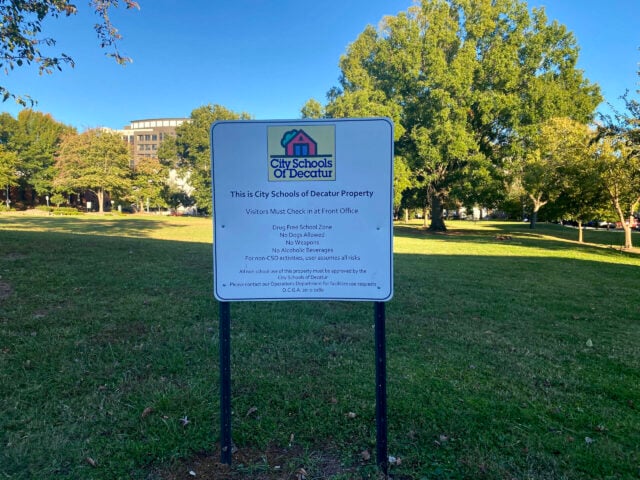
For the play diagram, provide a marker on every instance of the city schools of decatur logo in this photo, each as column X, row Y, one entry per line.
column 302, row 153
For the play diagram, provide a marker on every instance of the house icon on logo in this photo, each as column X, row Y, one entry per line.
column 297, row 143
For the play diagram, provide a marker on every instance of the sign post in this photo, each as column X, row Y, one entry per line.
column 225, row 383
column 382, row 457
column 303, row 211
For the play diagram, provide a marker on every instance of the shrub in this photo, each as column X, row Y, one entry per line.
column 66, row 211
column 58, row 199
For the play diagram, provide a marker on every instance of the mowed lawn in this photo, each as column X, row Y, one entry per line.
column 512, row 354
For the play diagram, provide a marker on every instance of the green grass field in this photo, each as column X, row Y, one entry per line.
column 512, row 354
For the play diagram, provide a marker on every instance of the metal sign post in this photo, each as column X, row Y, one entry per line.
column 225, row 383
column 382, row 457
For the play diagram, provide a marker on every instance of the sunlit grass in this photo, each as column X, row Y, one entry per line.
column 177, row 228
column 512, row 354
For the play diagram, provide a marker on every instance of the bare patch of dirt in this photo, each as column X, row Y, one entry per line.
column 271, row 464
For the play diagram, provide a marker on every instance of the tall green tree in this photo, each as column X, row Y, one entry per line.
column 9, row 172
column 619, row 167
column 22, row 41
column 542, row 176
column 149, row 183
column 192, row 143
column 97, row 161
column 168, row 152
column 8, row 126
column 466, row 81
column 36, row 139
column 402, row 181
column 312, row 109
column 178, row 190
column 8, row 159
column 566, row 164
column 619, row 154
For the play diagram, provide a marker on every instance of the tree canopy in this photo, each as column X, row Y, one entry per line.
column 192, row 142
column 36, row 139
column 566, row 162
column 466, row 83
column 95, row 160
column 23, row 42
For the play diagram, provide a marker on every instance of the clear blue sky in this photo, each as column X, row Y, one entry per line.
column 264, row 57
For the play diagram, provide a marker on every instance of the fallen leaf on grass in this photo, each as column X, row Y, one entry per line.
column 251, row 411
column 146, row 412
column 589, row 343
column 588, row 440
column 351, row 415
column 184, row 421
column 365, row 455
column 91, row 462
column 301, row 474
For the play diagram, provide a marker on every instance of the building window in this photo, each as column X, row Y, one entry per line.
column 154, row 137
column 140, row 138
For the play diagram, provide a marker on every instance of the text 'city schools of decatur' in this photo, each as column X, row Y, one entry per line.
column 301, row 194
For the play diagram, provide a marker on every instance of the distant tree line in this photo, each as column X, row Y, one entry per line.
column 42, row 159
column 489, row 110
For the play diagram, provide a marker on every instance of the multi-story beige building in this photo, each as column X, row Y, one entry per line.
column 145, row 136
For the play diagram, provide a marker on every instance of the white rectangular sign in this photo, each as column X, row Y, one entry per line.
column 303, row 209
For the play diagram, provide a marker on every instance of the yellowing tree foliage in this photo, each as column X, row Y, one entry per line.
column 95, row 160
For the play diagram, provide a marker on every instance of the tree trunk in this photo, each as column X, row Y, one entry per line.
column 100, row 195
column 437, row 218
column 628, row 242
column 580, row 232
column 538, row 203
column 425, row 216
column 406, row 215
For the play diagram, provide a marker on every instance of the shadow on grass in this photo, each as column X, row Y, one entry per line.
column 88, row 224
column 545, row 235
